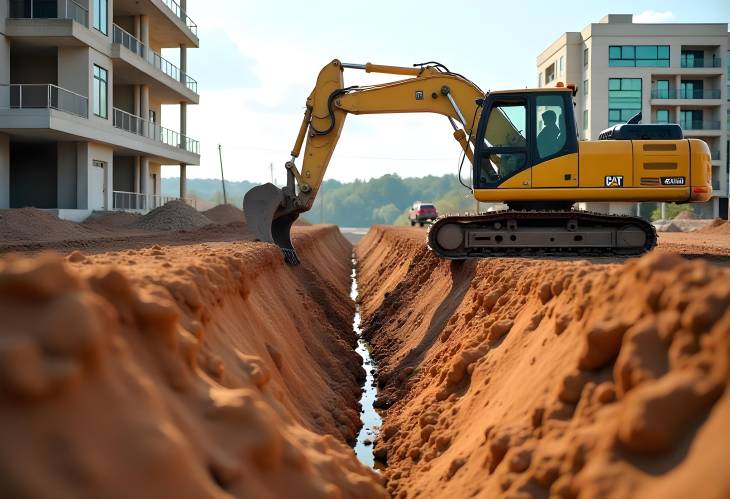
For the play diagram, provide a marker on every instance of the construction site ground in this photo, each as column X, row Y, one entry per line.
column 173, row 356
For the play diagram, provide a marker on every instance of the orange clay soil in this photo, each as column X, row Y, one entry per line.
column 199, row 371
column 548, row 378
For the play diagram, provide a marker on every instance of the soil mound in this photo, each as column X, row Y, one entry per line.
column 537, row 378
column 717, row 226
column 175, row 215
column 112, row 219
column 670, row 227
column 225, row 214
column 186, row 371
column 32, row 224
column 686, row 215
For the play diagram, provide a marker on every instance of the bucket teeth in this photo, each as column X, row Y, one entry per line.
column 290, row 257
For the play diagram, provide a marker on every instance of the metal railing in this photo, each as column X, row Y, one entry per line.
column 122, row 201
column 139, row 126
column 175, row 8
column 48, row 9
column 43, row 96
column 127, row 40
column 714, row 62
column 694, row 93
column 699, row 125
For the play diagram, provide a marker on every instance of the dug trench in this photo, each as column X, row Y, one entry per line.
column 547, row 378
column 214, row 370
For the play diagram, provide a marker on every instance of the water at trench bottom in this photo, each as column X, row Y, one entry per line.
column 370, row 418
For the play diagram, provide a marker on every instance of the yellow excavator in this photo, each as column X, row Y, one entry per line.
column 524, row 151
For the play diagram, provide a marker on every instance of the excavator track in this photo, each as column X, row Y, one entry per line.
column 540, row 233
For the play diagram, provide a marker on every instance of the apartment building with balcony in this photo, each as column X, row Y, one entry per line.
column 82, row 85
column 672, row 73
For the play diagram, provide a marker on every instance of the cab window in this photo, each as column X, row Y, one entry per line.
column 505, row 142
column 550, row 125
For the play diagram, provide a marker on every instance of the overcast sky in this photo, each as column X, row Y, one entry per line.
column 258, row 60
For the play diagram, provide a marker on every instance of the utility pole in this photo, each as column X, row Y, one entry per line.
column 223, row 179
column 321, row 208
column 271, row 167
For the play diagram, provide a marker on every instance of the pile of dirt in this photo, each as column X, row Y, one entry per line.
column 112, row 220
column 686, row 215
column 188, row 371
column 717, row 226
column 529, row 378
column 175, row 215
column 32, row 224
column 225, row 214
column 670, row 227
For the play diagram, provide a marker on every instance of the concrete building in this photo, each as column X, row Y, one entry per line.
column 82, row 85
column 672, row 73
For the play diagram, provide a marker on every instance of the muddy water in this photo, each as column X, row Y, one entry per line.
column 370, row 418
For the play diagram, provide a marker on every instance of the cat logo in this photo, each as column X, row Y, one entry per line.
column 419, row 94
column 614, row 181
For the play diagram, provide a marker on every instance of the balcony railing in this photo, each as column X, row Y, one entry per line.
column 711, row 62
column 48, row 9
column 127, row 40
column 31, row 96
column 175, row 8
column 123, row 201
column 699, row 125
column 139, row 126
column 694, row 93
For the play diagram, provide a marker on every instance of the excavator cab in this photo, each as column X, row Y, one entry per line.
column 519, row 130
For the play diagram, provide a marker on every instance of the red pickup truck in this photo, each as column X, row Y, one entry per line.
column 421, row 213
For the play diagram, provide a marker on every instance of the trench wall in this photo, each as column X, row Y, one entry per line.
column 537, row 378
column 209, row 370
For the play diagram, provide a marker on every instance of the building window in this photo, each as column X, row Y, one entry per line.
column 691, row 120
column 638, row 56
column 585, row 119
column 585, row 87
column 550, row 74
column 101, row 92
column 585, row 57
column 624, row 99
column 662, row 89
column 662, row 116
column 101, row 16
column 691, row 89
column 562, row 65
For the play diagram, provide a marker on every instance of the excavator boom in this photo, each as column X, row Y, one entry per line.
column 271, row 211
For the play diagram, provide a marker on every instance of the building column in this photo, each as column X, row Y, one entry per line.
column 183, row 140
column 144, row 182
column 4, row 171
column 144, row 103
column 137, row 175
column 144, row 30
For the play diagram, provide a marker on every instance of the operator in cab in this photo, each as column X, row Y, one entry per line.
column 548, row 140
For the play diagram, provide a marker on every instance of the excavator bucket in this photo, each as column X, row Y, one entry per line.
column 263, row 206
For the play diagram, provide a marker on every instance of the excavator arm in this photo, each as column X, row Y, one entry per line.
column 429, row 88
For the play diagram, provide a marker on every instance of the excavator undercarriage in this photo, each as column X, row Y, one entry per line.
column 540, row 233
